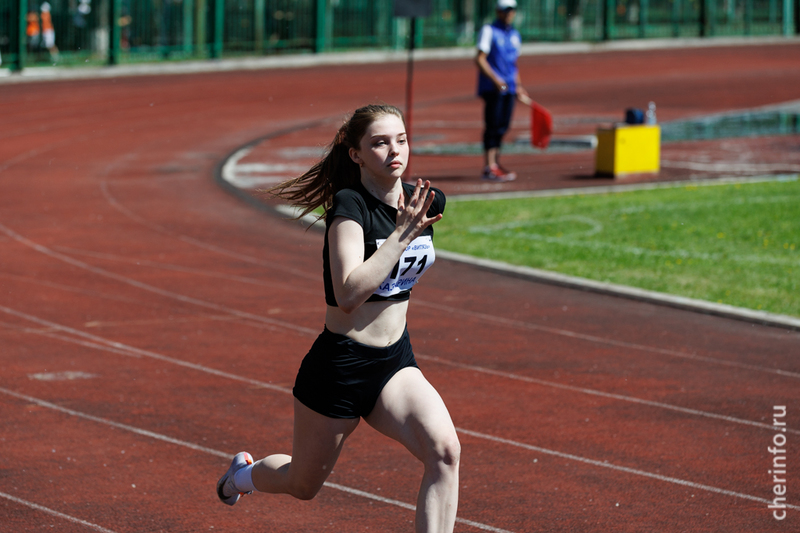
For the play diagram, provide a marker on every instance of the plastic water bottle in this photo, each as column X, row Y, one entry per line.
column 651, row 113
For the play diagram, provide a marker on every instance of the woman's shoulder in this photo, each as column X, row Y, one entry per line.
column 349, row 203
column 348, row 195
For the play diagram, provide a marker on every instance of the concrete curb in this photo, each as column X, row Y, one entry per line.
column 658, row 298
column 584, row 284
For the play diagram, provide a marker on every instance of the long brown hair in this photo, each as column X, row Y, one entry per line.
column 336, row 170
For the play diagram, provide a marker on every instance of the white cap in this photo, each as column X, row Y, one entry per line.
column 502, row 5
column 45, row 7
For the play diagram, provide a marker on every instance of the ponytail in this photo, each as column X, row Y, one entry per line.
column 336, row 170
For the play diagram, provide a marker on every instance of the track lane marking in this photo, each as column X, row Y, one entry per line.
column 217, row 453
column 151, row 288
column 484, row 317
column 480, row 316
column 55, row 513
column 461, row 430
column 101, row 343
column 197, row 242
column 595, row 392
column 477, row 525
column 585, row 460
column 626, row 469
column 475, row 434
column 185, row 270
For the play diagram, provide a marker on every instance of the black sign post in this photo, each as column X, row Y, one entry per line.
column 411, row 9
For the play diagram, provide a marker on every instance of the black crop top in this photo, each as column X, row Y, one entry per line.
column 379, row 220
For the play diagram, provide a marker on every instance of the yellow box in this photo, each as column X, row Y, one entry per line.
column 628, row 149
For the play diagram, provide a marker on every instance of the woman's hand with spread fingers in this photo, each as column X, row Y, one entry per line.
column 412, row 217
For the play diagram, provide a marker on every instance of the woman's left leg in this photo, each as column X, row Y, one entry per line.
column 410, row 411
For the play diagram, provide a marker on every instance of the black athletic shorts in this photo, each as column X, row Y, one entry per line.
column 342, row 378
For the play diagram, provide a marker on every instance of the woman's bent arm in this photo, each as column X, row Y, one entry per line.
column 354, row 279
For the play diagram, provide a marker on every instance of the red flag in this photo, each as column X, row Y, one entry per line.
column 541, row 126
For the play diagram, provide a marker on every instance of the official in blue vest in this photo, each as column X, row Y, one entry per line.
column 499, row 85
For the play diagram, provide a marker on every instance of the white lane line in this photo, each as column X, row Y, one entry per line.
column 240, row 175
column 101, row 343
column 461, row 430
column 308, row 331
column 150, row 288
column 410, row 507
column 628, row 470
column 485, row 317
column 217, row 453
column 569, row 333
column 118, row 425
column 201, row 244
column 177, row 268
column 49, row 511
column 594, row 392
column 475, row 434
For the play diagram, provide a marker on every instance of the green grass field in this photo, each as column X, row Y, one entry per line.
column 737, row 244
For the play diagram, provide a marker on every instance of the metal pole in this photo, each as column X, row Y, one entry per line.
column 608, row 19
column 219, row 25
column 259, row 29
column 787, row 18
column 19, row 41
column 676, row 12
column 200, row 38
column 410, row 88
column 644, row 15
column 797, row 16
column 703, row 19
column 712, row 17
column 114, row 9
column 320, row 41
column 188, row 26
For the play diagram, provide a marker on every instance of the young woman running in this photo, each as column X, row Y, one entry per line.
column 378, row 242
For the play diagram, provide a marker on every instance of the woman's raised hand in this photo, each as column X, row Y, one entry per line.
column 412, row 218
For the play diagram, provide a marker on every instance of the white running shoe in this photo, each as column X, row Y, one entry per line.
column 226, row 490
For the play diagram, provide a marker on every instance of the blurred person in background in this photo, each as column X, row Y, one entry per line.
column 32, row 29
column 49, row 32
column 499, row 85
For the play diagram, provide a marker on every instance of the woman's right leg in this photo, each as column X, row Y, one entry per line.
column 317, row 442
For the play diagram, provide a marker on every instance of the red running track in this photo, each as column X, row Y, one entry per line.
column 151, row 324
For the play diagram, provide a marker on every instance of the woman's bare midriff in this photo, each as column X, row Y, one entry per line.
column 377, row 324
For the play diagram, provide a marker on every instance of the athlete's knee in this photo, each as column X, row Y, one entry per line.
column 452, row 452
column 444, row 454
column 305, row 486
column 305, row 490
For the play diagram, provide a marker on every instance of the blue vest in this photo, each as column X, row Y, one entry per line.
column 502, row 55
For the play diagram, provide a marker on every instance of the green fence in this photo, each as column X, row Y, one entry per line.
column 126, row 31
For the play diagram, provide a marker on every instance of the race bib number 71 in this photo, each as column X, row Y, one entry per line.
column 416, row 259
